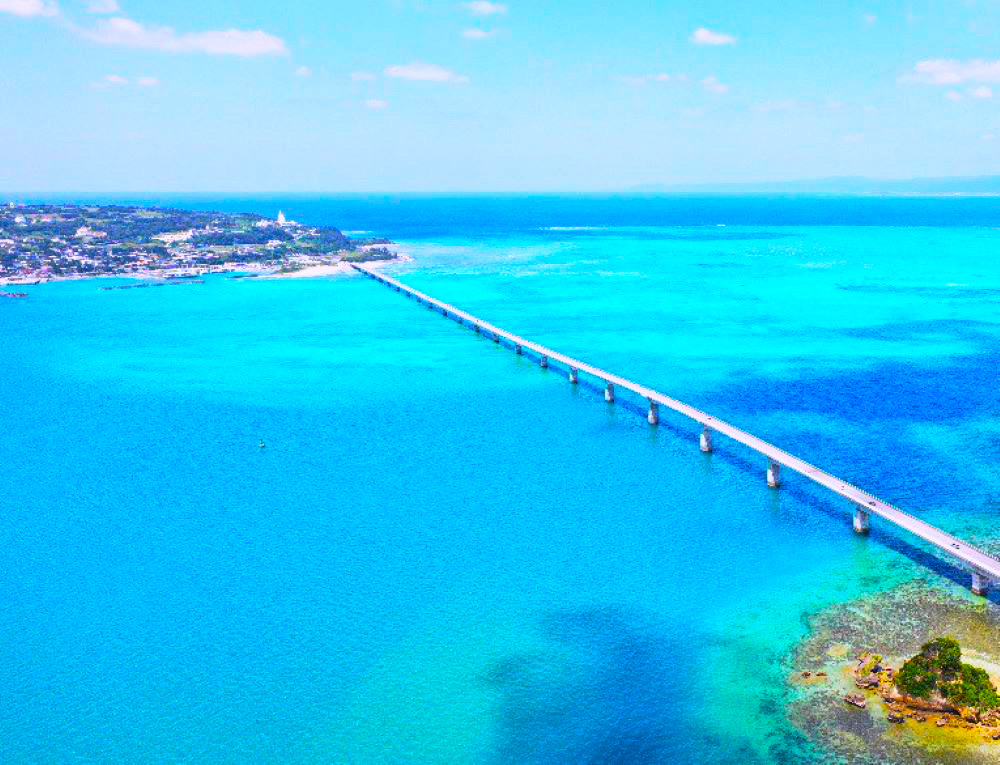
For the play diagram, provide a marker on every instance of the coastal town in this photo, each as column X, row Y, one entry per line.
column 40, row 243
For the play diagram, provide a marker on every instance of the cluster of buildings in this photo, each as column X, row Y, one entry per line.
column 45, row 242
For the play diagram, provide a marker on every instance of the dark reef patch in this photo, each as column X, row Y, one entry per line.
column 940, row 391
column 887, row 459
column 609, row 691
column 934, row 293
column 984, row 333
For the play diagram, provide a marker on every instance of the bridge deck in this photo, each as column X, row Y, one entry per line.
column 977, row 559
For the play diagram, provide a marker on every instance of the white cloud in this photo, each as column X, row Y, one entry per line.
column 27, row 8
column 362, row 76
column 712, row 85
column 485, row 8
column 776, row 105
column 377, row 104
column 113, row 81
column 692, row 113
column 226, row 42
column 117, row 81
column 476, row 34
column 421, row 72
column 941, row 71
column 870, row 19
column 981, row 92
column 103, row 6
column 303, row 71
column 988, row 136
column 953, row 95
column 630, row 79
column 702, row 36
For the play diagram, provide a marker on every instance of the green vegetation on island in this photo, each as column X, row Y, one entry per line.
column 933, row 682
column 937, row 674
column 44, row 242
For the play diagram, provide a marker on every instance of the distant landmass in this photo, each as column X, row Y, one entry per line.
column 982, row 184
column 59, row 241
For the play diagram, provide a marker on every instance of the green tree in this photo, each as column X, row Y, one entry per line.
column 938, row 667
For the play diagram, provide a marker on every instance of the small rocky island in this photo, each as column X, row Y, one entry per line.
column 41, row 243
column 933, row 687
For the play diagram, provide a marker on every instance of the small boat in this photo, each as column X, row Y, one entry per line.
column 14, row 294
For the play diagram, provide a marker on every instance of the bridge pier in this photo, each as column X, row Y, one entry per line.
column 496, row 338
column 980, row 583
column 574, row 376
column 706, row 440
column 653, row 418
column 774, row 474
column 609, row 393
column 862, row 521
column 517, row 350
column 544, row 362
column 477, row 329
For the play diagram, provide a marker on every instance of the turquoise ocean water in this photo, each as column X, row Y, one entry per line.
column 446, row 554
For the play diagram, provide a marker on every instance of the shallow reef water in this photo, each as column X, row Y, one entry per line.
column 893, row 625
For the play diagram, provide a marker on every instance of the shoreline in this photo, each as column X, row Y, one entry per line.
column 309, row 270
column 342, row 268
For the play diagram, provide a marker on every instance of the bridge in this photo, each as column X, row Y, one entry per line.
column 984, row 568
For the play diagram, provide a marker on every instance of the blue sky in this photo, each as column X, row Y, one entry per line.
column 443, row 95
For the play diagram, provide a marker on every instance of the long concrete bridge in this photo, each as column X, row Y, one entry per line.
column 983, row 567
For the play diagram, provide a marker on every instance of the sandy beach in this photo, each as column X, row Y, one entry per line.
column 326, row 270
column 311, row 272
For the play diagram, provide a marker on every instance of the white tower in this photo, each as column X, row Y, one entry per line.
column 281, row 218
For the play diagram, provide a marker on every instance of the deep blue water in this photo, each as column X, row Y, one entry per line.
column 413, row 216
column 446, row 554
